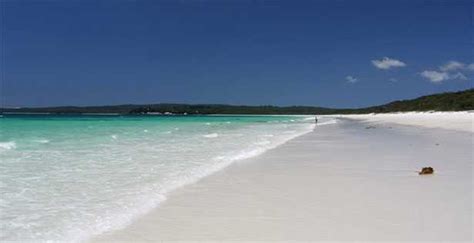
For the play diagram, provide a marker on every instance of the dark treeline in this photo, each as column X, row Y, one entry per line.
column 450, row 101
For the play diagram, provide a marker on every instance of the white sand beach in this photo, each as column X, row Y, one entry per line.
column 460, row 121
column 355, row 179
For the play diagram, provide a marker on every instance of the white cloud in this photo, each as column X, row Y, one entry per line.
column 351, row 79
column 387, row 63
column 458, row 75
column 450, row 70
column 435, row 76
column 455, row 65
column 438, row 77
column 452, row 66
column 470, row 66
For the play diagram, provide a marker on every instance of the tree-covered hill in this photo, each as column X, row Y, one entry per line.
column 449, row 101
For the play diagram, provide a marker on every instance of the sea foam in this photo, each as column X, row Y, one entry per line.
column 211, row 135
column 7, row 145
column 88, row 183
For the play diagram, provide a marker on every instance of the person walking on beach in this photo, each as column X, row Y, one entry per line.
column 316, row 119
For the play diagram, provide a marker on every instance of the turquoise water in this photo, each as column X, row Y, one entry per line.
column 71, row 177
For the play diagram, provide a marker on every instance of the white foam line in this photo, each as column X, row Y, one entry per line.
column 211, row 135
column 7, row 145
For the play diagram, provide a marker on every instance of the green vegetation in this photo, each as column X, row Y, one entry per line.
column 229, row 109
column 450, row 101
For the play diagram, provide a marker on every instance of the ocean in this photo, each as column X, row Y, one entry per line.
column 68, row 178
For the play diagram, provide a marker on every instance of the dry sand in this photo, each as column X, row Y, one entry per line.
column 343, row 181
column 460, row 121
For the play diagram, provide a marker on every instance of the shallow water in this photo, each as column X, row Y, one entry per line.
column 71, row 177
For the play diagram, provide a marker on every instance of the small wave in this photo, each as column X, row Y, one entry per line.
column 7, row 145
column 264, row 142
column 333, row 121
column 241, row 155
column 211, row 135
column 42, row 141
column 114, row 136
column 145, row 130
column 208, row 123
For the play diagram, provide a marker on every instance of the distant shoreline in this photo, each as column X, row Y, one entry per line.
column 229, row 114
column 450, row 101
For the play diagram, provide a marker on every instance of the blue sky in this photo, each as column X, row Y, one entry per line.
column 323, row 53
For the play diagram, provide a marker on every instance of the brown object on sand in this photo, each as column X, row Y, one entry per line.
column 426, row 171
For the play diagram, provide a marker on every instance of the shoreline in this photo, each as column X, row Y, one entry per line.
column 327, row 185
